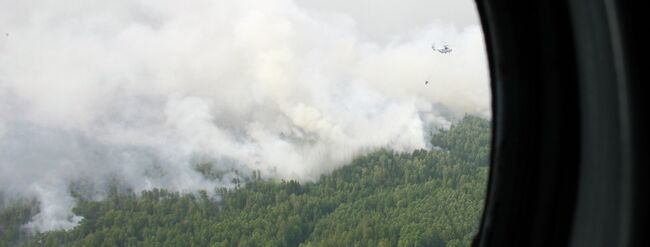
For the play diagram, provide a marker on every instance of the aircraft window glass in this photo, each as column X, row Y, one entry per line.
column 242, row 123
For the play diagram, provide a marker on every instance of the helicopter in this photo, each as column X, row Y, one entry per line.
column 445, row 49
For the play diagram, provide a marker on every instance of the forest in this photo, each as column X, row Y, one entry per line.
column 383, row 198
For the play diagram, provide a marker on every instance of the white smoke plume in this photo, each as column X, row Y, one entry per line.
column 140, row 91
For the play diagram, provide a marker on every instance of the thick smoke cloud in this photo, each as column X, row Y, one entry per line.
column 94, row 93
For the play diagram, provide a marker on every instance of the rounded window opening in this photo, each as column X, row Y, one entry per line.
column 245, row 123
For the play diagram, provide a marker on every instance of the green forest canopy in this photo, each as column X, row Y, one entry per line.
column 385, row 198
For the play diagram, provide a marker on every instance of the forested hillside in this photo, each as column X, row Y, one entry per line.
column 385, row 198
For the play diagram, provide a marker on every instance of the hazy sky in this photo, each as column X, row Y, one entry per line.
column 382, row 20
column 139, row 91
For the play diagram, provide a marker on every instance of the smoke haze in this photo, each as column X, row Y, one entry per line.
column 139, row 92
